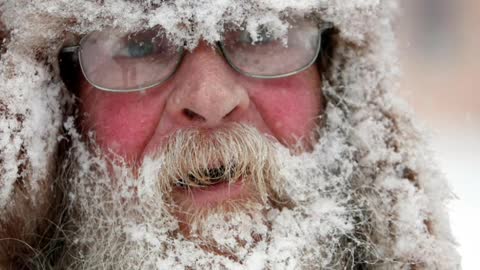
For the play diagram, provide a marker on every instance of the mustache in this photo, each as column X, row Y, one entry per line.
column 201, row 157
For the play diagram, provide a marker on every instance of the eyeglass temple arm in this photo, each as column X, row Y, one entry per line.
column 70, row 49
column 70, row 52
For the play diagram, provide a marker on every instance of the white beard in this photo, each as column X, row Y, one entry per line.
column 118, row 221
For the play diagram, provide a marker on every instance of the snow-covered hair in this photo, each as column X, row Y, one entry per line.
column 387, row 157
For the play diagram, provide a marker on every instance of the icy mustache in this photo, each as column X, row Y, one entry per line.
column 200, row 157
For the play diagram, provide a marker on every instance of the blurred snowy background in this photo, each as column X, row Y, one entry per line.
column 440, row 51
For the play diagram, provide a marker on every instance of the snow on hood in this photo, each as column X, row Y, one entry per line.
column 388, row 154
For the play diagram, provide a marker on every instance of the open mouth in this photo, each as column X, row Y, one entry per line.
column 208, row 178
column 210, row 187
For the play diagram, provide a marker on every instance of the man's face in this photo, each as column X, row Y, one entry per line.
column 204, row 94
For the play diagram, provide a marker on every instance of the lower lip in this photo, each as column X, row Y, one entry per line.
column 206, row 197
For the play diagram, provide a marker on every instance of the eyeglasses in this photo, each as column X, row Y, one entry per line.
column 115, row 61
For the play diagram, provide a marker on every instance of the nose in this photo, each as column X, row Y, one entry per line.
column 206, row 92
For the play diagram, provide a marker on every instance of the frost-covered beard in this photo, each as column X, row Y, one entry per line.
column 294, row 215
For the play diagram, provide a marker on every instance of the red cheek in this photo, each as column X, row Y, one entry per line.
column 289, row 106
column 123, row 123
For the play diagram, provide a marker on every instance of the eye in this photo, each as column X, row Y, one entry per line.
column 142, row 45
column 136, row 49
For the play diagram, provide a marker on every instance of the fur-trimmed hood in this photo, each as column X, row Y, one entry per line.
column 410, row 227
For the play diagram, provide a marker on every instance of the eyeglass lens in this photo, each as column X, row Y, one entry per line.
column 115, row 60
column 269, row 56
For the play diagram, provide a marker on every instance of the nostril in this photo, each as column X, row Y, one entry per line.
column 191, row 115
